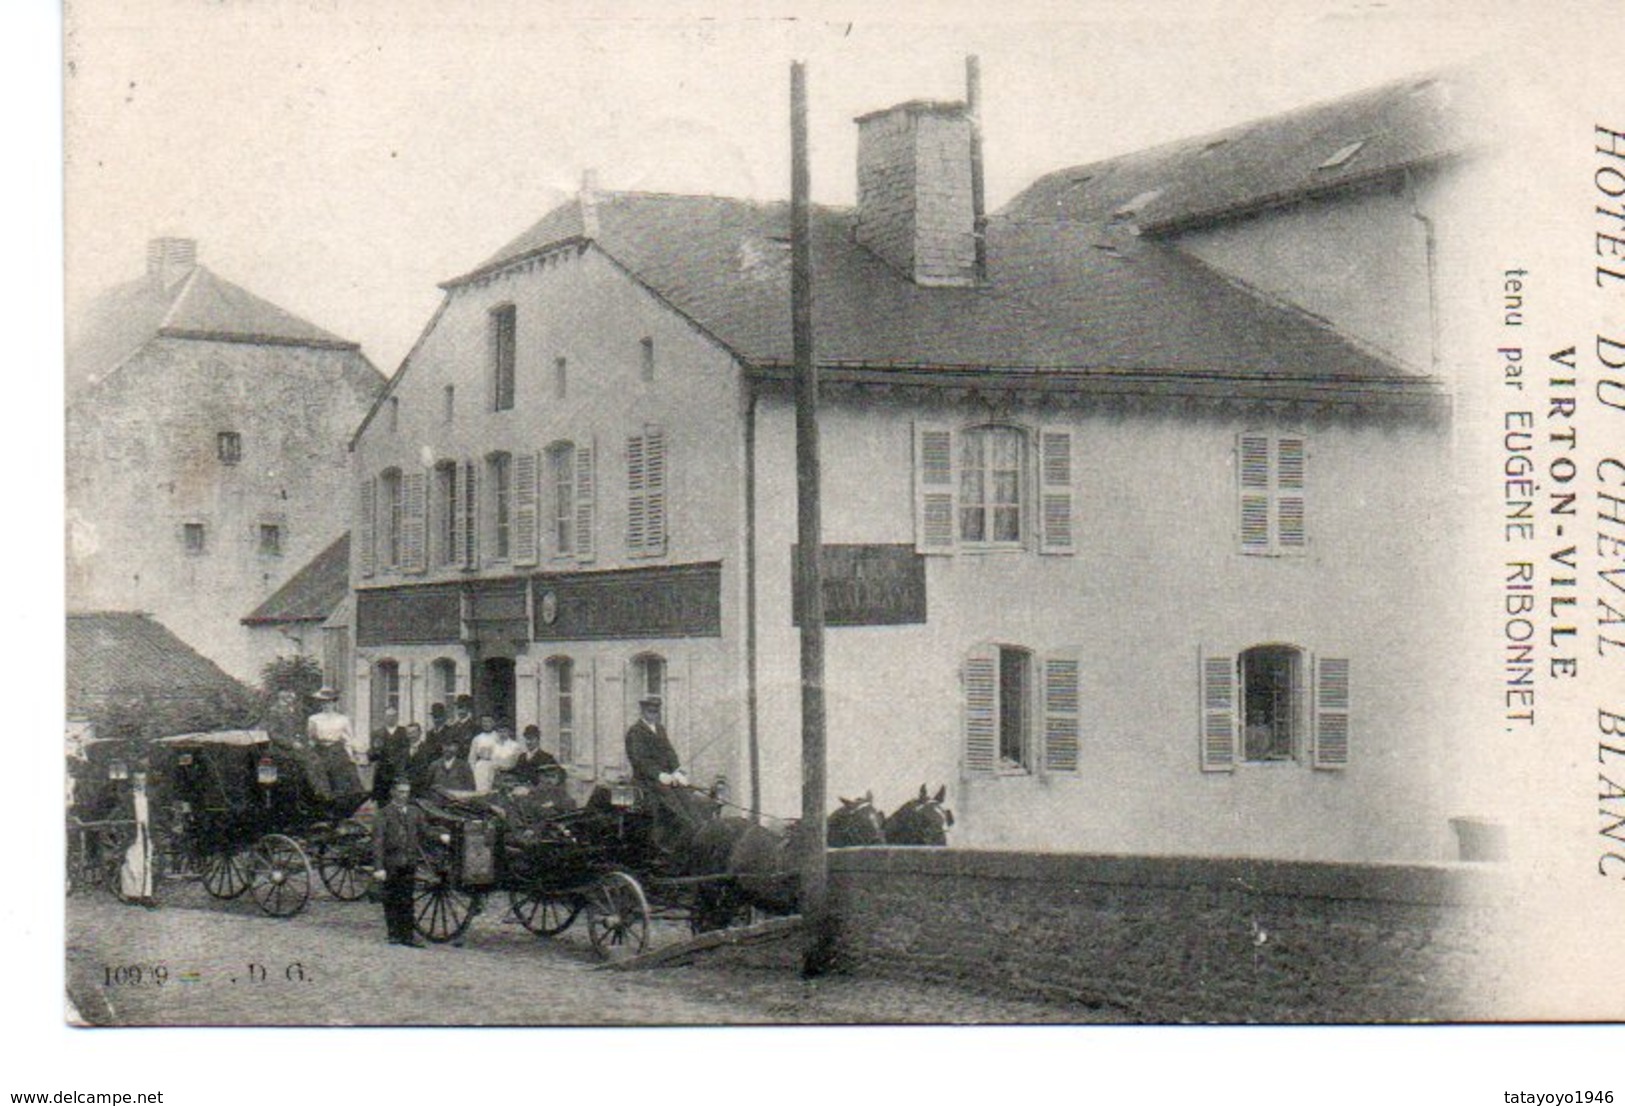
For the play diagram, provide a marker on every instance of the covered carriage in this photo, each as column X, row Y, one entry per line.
column 251, row 814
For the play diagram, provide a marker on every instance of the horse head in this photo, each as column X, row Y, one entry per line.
column 858, row 822
column 923, row 820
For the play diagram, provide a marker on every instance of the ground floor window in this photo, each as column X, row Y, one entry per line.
column 443, row 683
column 561, row 683
column 1022, row 711
column 1271, row 703
column 386, row 688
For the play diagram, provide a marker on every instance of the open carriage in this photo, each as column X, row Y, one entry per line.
column 251, row 815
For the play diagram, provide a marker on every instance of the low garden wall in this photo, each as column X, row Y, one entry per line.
column 1174, row 939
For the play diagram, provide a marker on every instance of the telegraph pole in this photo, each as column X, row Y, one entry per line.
column 819, row 946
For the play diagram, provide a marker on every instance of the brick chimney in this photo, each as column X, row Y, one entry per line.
column 170, row 260
column 916, row 205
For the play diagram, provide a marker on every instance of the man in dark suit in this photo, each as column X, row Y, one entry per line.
column 389, row 750
column 659, row 775
column 422, row 759
column 395, row 856
column 535, row 763
column 461, row 729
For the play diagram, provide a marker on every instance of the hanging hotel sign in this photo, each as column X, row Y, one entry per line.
column 429, row 614
column 869, row 585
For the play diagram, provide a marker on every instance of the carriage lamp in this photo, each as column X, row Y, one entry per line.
column 266, row 773
column 622, row 795
column 118, row 770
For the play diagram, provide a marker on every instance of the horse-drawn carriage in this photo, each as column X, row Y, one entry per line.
column 101, row 828
column 249, row 815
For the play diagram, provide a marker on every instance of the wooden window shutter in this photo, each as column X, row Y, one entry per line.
column 414, row 521
column 981, row 686
column 584, row 505
column 471, row 514
column 526, row 501
column 1055, row 492
column 1253, row 455
column 1218, row 691
column 654, row 490
column 458, row 553
column 367, row 530
column 1290, row 455
column 936, row 507
column 636, row 521
column 1062, row 691
column 1331, row 712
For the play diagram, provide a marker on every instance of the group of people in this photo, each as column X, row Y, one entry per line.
column 456, row 754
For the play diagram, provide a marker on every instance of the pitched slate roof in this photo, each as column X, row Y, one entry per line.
column 201, row 305
column 312, row 593
column 116, row 653
column 1323, row 147
column 1057, row 297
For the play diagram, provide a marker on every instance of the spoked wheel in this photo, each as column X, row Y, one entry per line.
column 617, row 917
column 545, row 915
column 440, row 910
column 225, row 874
column 344, row 862
column 280, row 874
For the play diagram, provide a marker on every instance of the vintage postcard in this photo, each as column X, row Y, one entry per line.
column 1144, row 487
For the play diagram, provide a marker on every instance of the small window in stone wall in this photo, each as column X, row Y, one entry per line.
column 228, row 445
column 647, row 349
column 194, row 538
column 270, row 539
column 451, row 402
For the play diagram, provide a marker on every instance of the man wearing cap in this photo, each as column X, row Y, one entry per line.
column 659, row 775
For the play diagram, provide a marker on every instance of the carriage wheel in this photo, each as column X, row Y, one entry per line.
column 440, row 910
column 344, row 862
column 544, row 914
column 617, row 917
column 226, row 873
column 280, row 873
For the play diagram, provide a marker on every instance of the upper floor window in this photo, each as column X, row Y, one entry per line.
column 194, row 537
column 561, row 480
column 993, row 487
column 449, row 403
column 1274, row 703
column 1021, row 711
column 390, row 518
column 499, row 479
column 646, row 493
column 394, row 414
column 504, row 323
column 1272, row 488
column 228, row 446
column 646, row 351
column 561, row 378
column 270, row 539
column 448, row 517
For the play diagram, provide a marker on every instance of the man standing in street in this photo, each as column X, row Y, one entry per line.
column 389, row 751
column 395, row 856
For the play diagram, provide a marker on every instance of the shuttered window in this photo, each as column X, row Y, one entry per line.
column 448, row 515
column 1272, row 486
column 980, row 676
column 992, row 460
column 585, row 501
column 1055, row 492
column 935, row 506
column 414, row 521
column 1265, row 706
column 367, row 528
column 1218, row 712
column 526, row 503
column 389, row 510
column 994, row 487
column 499, row 493
column 646, row 493
column 561, row 485
column 1022, row 711
column 1062, row 692
column 471, row 515
column 1331, row 712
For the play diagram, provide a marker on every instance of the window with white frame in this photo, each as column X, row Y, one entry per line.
column 648, row 677
column 1021, row 711
column 448, row 530
column 443, row 683
column 561, row 479
column 386, row 688
column 993, row 486
column 1272, row 487
column 646, row 493
column 561, row 686
column 1274, row 703
column 499, row 481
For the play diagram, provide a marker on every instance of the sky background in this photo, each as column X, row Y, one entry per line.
column 343, row 158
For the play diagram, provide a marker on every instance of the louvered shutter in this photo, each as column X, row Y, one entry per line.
column 1062, row 711
column 1055, row 492
column 1218, row 691
column 584, row 720
column 1331, row 712
column 528, row 710
column 1290, row 456
column 935, row 490
column 414, row 521
column 980, row 677
column 1253, row 454
column 654, row 491
column 456, row 504
column 367, row 528
column 471, row 514
column 526, row 502
column 584, row 504
column 636, row 514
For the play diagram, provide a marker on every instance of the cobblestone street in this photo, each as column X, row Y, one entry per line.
column 226, row 964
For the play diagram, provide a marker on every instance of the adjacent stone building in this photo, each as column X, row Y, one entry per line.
column 206, row 433
column 1130, row 526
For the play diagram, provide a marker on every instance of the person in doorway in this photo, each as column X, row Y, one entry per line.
column 389, row 751
column 659, row 775
column 462, row 728
column 395, row 857
column 482, row 753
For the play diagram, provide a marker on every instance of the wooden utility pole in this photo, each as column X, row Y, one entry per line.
column 819, row 947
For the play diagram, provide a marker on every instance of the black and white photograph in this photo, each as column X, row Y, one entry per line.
column 627, row 516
